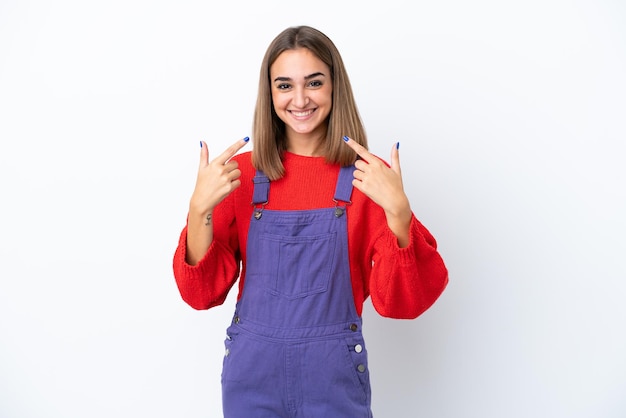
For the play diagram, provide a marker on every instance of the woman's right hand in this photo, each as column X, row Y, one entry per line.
column 216, row 180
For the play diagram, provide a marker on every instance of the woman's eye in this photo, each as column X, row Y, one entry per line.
column 283, row 86
column 315, row 83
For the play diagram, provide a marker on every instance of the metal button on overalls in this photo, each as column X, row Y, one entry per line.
column 296, row 328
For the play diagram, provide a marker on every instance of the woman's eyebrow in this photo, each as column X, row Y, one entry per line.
column 306, row 77
column 314, row 75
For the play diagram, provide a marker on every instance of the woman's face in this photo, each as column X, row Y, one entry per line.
column 301, row 92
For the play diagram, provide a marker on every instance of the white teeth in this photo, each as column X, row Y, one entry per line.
column 300, row 114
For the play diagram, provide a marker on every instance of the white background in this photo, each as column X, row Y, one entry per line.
column 511, row 119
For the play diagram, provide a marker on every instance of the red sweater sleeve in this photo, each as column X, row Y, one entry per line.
column 405, row 282
column 206, row 284
column 402, row 282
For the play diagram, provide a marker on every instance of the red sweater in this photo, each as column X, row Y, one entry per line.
column 403, row 282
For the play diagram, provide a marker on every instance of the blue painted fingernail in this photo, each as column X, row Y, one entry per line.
column 397, row 145
column 246, row 139
column 200, row 144
column 345, row 138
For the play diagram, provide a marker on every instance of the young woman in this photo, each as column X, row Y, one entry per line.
column 311, row 224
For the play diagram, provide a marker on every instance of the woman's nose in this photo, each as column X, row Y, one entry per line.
column 301, row 98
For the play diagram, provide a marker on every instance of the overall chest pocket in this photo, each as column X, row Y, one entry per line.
column 296, row 266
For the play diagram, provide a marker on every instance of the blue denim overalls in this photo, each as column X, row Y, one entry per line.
column 295, row 347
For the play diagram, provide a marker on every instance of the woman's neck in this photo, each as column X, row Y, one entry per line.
column 309, row 145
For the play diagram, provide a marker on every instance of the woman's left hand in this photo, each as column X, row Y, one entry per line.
column 383, row 184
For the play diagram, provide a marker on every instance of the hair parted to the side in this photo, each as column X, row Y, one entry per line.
column 269, row 131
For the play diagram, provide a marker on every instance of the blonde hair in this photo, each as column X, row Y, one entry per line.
column 268, row 131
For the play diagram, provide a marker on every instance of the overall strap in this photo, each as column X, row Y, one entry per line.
column 261, row 188
column 343, row 191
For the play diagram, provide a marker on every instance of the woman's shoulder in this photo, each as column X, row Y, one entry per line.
column 244, row 159
column 244, row 156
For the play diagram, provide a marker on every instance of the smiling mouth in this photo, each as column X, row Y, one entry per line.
column 302, row 114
